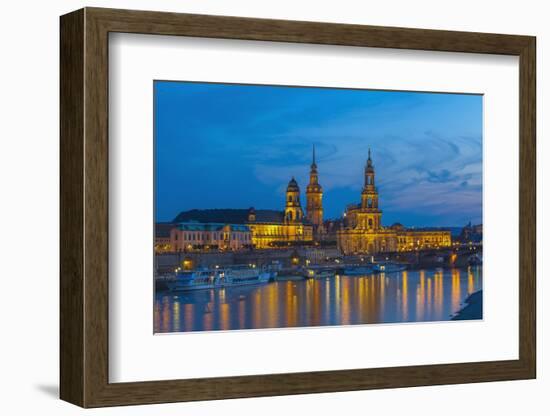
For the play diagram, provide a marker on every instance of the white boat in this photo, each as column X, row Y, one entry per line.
column 357, row 270
column 218, row 278
column 316, row 273
column 324, row 274
column 388, row 267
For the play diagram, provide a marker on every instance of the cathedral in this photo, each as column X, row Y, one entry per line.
column 284, row 228
column 314, row 196
column 362, row 231
column 294, row 226
column 223, row 228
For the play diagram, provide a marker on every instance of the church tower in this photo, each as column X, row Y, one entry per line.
column 370, row 214
column 293, row 209
column 314, row 196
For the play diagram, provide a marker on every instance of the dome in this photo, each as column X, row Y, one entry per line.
column 292, row 186
column 397, row 226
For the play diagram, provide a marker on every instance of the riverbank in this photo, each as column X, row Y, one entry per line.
column 473, row 308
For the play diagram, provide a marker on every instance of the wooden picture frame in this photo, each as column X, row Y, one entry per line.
column 84, row 207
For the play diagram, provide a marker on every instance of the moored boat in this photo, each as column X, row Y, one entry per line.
column 388, row 267
column 318, row 273
column 218, row 278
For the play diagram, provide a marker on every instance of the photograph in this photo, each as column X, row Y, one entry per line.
column 280, row 206
column 273, row 204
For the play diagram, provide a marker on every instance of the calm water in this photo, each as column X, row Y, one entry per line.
column 408, row 296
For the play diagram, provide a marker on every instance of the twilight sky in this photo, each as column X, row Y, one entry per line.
column 237, row 146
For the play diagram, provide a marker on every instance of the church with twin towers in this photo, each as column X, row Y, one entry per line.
column 359, row 231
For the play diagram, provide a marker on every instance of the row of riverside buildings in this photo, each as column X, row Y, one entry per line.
column 360, row 231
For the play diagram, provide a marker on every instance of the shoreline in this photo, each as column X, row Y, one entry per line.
column 472, row 309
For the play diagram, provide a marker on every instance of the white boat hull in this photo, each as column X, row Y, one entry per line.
column 388, row 268
column 216, row 281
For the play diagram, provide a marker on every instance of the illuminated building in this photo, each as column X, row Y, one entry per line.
column 417, row 239
column 162, row 237
column 362, row 230
column 188, row 236
column 293, row 208
column 267, row 228
column 314, row 198
column 280, row 231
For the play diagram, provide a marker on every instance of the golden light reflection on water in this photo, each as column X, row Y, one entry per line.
column 272, row 301
column 429, row 300
column 175, row 316
column 257, row 309
column 438, row 292
column 166, row 317
column 225, row 312
column 188, row 312
column 420, row 296
column 455, row 289
column 404, row 295
column 242, row 312
column 337, row 300
column 382, row 291
column 346, row 302
column 362, row 296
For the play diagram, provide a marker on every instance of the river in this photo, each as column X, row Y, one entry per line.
column 408, row 296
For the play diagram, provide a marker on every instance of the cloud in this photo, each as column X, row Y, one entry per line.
column 412, row 172
column 443, row 176
column 426, row 148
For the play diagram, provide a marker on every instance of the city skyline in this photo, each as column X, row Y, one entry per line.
column 237, row 146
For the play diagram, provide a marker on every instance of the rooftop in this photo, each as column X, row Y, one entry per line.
column 229, row 216
column 197, row 226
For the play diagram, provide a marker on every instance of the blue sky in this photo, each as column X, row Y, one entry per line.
column 236, row 146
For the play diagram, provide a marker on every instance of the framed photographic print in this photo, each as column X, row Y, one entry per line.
column 255, row 207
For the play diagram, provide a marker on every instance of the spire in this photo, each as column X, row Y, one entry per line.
column 369, row 160
column 314, row 194
column 369, row 173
